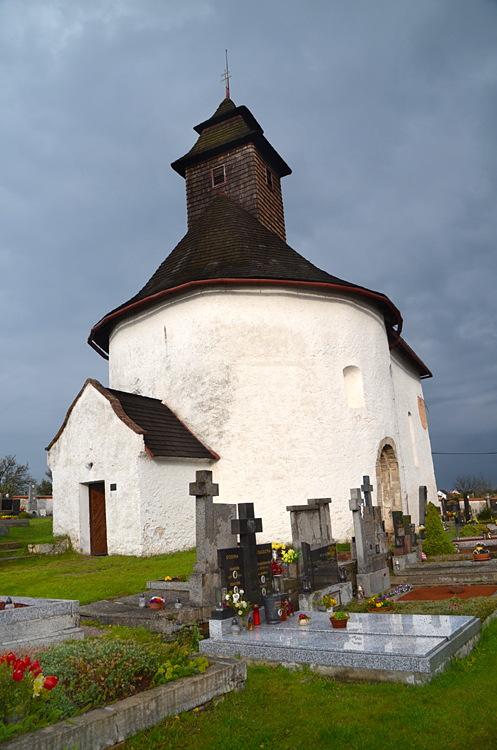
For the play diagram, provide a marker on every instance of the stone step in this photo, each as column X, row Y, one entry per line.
column 9, row 545
column 17, row 557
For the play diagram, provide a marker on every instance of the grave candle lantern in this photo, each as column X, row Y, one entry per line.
column 306, row 585
column 257, row 619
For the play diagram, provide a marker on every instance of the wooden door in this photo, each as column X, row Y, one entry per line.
column 98, row 523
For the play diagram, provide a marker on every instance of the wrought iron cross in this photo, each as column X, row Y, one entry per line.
column 367, row 488
column 226, row 77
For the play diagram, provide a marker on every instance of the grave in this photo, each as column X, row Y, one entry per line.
column 10, row 506
column 39, row 622
column 403, row 553
column 384, row 648
column 370, row 541
column 318, row 566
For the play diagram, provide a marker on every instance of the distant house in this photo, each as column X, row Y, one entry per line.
column 241, row 356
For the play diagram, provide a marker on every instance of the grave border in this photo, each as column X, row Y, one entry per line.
column 105, row 727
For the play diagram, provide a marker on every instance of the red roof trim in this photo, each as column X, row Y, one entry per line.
column 266, row 282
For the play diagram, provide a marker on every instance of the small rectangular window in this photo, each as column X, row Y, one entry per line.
column 218, row 176
column 269, row 178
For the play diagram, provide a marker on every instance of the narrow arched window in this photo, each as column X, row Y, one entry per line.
column 352, row 377
column 413, row 439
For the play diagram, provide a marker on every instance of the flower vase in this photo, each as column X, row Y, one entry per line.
column 243, row 622
column 156, row 605
column 482, row 557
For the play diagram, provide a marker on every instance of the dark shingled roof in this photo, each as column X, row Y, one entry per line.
column 228, row 128
column 165, row 434
column 227, row 243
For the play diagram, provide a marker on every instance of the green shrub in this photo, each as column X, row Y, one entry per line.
column 23, row 514
column 485, row 515
column 437, row 542
column 472, row 529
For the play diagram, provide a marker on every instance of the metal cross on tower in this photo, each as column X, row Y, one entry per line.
column 226, row 77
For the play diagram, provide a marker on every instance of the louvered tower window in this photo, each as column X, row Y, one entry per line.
column 218, row 176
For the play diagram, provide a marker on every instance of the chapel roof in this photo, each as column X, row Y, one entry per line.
column 227, row 245
column 164, row 433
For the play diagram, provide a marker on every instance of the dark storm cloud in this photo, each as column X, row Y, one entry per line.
column 385, row 111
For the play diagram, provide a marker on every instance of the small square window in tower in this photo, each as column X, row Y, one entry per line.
column 218, row 176
column 269, row 178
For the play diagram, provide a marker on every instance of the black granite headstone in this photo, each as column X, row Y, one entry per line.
column 398, row 529
column 320, row 565
column 264, row 559
column 467, row 511
column 231, row 564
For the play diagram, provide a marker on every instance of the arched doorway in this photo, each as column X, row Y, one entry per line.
column 388, row 482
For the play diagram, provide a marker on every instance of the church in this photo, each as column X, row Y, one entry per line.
column 241, row 357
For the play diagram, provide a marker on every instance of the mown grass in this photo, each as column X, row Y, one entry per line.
column 39, row 531
column 298, row 711
column 82, row 577
column 479, row 606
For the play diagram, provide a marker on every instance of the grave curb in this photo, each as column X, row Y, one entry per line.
column 104, row 727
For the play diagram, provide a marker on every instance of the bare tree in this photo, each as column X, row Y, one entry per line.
column 473, row 485
column 14, row 477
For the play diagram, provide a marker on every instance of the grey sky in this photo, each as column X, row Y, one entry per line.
column 385, row 111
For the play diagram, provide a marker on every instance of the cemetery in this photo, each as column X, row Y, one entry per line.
column 293, row 604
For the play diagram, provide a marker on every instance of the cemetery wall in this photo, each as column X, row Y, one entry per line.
column 414, row 448
column 86, row 440
column 257, row 373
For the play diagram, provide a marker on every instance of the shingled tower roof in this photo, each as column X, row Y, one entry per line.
column 236, row 230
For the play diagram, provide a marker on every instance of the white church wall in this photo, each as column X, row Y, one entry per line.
column 415, row 459
column 167, row 513
column 95, row 435
column 258, row 375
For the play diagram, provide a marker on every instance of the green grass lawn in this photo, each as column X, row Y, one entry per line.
column 82, row 577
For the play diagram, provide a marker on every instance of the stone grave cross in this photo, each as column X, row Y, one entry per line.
column 355, row 502
column 212, row 530
column 367, row 488
column 247, row 526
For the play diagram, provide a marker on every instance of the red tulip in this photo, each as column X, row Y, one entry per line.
column 34, row 666
column 50, row 682
column 10, row 658
column 37, row 671
column 26, row 661
column 17, row 675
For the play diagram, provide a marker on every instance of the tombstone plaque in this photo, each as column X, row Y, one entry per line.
column 264, row 559
column 231, row 564
column 423, row 504
column 467, row 511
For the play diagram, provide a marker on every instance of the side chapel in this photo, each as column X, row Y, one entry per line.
column 240, row 356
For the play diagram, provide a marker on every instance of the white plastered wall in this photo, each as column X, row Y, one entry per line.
column 414, row 439
column 257, row 375
column 149, row 513
column 95, row 435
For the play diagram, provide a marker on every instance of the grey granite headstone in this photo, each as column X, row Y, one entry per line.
column 370, row 542
column 311, row 523
column 32, row 505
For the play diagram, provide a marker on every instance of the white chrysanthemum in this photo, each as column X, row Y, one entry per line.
column 236, row 597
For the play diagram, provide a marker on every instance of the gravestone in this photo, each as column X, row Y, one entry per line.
column 32, row 505
column 311, row 523
column 10, row 505
column 423, row 505
column 467, row 511
column 370, row 541
column 320, row 565
column 257, row 558
column 213, row 530
column 399, row 533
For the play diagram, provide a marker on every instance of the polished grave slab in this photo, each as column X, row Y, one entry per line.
column 378, row 647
